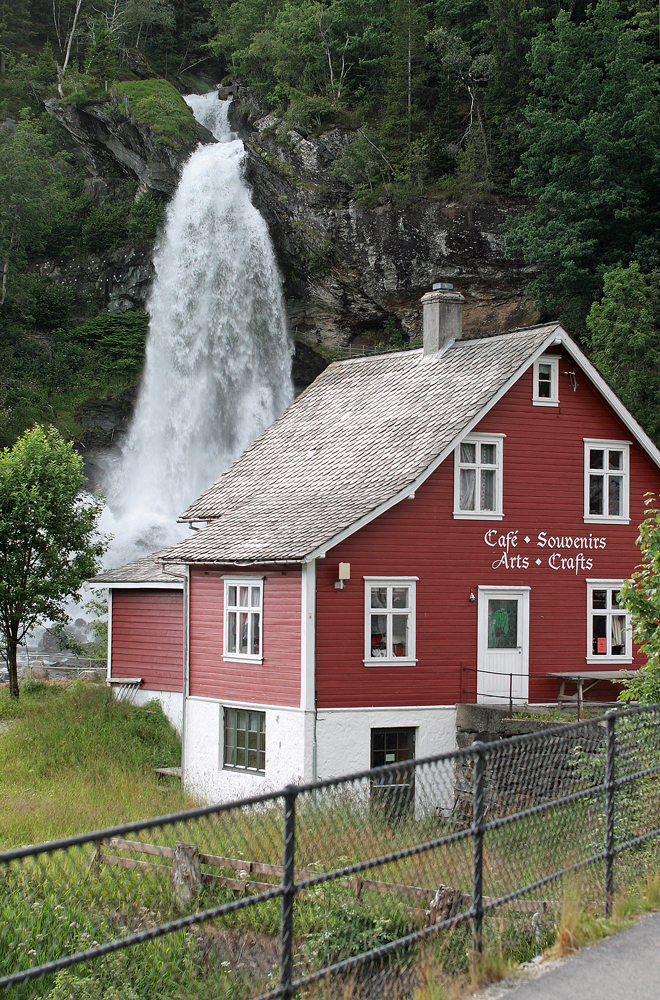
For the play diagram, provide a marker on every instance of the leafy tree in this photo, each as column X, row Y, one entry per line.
column 592, row 158
column 48, row 535
column 641, row 596
column 625, row 340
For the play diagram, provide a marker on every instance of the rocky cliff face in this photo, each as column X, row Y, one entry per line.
column 348, row 268
column 102, row 132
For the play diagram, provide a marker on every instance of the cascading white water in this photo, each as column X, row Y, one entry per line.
column 218, row 363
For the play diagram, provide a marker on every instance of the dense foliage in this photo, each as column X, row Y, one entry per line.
column 555, row 103
column 641, row 596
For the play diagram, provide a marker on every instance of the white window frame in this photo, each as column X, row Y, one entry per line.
column 553, row 398
column 243, row 769
column 609, row 612
column 607, row 445
column 478, row 440
column 242, row 581
column 390, row 581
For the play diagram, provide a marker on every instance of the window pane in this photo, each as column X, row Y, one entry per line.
column 616, row 485
column 400, row 635
column 488, row 489
column 399, row 597
column 545, row 381
column 244, row 597
column 488, row 454
column 468, row 452
column 379, row 635
column 596, row 458
column 243, row 648
column 255, row 634
column 595, row 494
column 256, row 597
column 599, row 599
column 231, row 596
column 231, row 630
column 230, row 736
column 618, row 638
column 599, row 635
column 379, row 597
column 616, row 460
column 615, row 598
column 502, row 624
column 468, row 479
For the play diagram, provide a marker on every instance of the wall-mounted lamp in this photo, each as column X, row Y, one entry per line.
column 572, row 380
column 344, row 574
column 472, row 597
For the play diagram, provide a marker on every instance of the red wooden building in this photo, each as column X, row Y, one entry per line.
column 418, row 529
column 145, row 632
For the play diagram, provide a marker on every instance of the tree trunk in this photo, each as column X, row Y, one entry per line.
column 12, row 647
column 62, row 71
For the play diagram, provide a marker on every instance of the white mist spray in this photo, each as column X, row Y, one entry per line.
column 218, row 365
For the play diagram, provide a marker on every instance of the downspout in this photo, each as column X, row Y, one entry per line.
column 108, row 673
column 186, row 669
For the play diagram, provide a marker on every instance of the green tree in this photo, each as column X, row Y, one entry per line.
column 624, row 330
column 592, row 158
column 641, row 596
column 48, row 536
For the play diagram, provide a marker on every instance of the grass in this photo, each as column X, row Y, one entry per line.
column 159, row 106
column 73, row 759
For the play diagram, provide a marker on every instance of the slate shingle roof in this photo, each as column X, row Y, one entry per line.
column 149, row 569
column 362, row 432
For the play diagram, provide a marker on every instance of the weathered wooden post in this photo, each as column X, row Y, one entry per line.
column 186, row 872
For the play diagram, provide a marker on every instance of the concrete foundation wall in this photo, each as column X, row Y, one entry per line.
column 204, row 775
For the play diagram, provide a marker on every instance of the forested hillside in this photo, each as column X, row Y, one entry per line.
column 549, row 105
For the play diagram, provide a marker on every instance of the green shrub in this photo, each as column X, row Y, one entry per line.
column 116, row 339
column 53, row 304
column 145, row 218
column 105, row 228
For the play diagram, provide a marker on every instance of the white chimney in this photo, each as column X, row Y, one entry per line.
column 443, row 317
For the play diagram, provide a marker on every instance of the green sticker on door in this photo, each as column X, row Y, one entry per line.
column 502, row 624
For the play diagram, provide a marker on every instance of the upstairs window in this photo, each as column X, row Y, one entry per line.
column 243, row 615
column 546, row 382
column 608, row 632
column 389, row 620
column 478, row 477
column 606, row 481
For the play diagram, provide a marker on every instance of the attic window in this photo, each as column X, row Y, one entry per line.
column 546, row 381
column 478, row 477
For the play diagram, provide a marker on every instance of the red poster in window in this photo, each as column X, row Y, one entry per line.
column 601, row 645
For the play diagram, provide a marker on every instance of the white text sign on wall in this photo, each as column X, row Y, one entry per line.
column 562, row 552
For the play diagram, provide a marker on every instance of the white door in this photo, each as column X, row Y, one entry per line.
column 503, row 645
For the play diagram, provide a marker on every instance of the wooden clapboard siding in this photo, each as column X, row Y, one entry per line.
column 147, row 637
column 543, row 482
column 274, row 681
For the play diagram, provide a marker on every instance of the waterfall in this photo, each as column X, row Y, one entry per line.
column 218, row 359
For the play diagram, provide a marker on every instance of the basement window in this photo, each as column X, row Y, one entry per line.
column 244, row 740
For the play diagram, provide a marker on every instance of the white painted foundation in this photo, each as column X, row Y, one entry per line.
column 204, row 776
column 344, row 746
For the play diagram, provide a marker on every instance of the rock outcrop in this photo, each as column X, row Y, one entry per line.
column 100, row 130
column 348, row 268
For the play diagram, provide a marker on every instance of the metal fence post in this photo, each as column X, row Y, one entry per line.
column 478, row 847
column 609, row 811
column 288, row 886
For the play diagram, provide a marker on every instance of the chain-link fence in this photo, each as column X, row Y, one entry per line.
column 362, row 886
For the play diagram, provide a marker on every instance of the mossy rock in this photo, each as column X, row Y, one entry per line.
column 159, row 106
